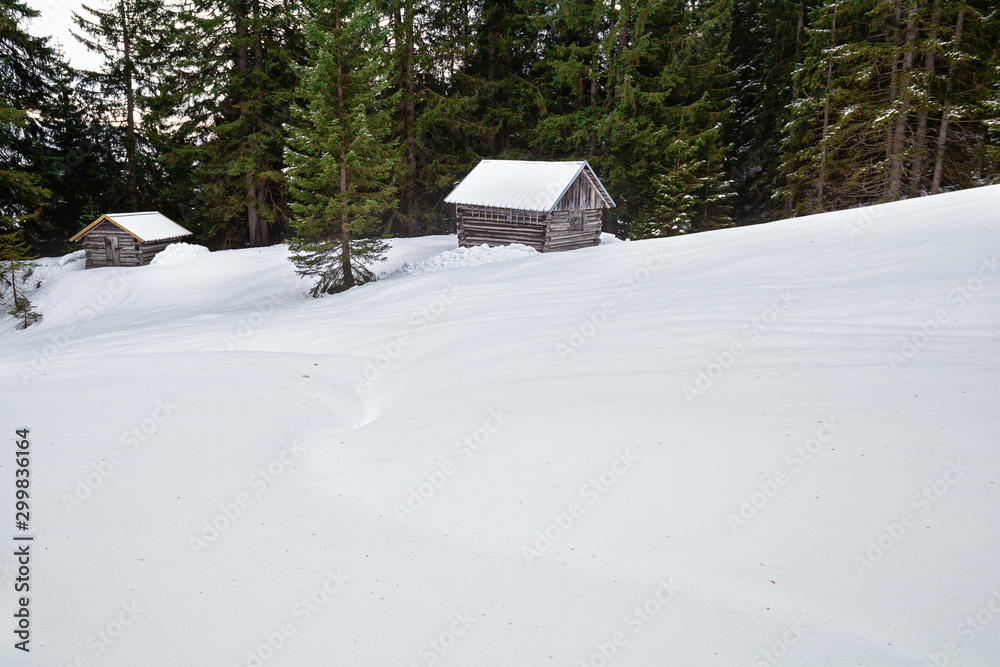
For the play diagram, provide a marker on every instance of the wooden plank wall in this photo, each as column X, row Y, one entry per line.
column 473, row 231
column 581, row 195
column 150, row 249
column 130, row 250
column 561, row 238
column 93, row 244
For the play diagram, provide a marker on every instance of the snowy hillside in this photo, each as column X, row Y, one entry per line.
column 758, row 446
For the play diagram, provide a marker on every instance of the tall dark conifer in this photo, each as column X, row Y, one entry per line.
column 230, row 84
column 27, row 65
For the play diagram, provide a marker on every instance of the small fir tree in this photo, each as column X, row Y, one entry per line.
column 341, row 157
column 15, row 271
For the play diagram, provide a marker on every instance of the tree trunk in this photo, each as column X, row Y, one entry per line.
column 491, row 63
column 893, row 87
column 920, row 138
column 595, row 43
column 942, row 140
column 898, row 138
column 259, row 232
column 345, row 237
column 411, row 124
column 790, row 168
column 624, row 19
column 821, row 186
column 130, row 171
column 799, row 28
column 242, row 68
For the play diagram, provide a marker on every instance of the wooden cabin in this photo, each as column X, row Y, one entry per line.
column 128, row 239
column 546, row 205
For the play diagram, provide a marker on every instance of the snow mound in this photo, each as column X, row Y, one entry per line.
column 607, row 239
column 462, row 257
column 77, row 256
column 178, row 253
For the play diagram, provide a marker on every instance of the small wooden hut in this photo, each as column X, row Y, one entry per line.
column 546, row 205
column 128, row 239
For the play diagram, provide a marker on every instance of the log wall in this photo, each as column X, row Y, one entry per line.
column 478, row 225
column 560, row 236
column 130, row 251
column 547, row 233
column 152, row 248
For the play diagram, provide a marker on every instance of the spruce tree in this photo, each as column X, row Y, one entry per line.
column 15, row 270
column 81, row 169
column 341, row 156
column 893, row 103
column 26, row 67
column 230, row 82
column 662, row 126
column 124, row 34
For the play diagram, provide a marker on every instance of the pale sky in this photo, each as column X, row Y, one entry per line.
column 56, row 20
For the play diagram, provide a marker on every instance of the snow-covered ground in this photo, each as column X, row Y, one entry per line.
column 759, row 446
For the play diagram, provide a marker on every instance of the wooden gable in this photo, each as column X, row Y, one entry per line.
column 582, row 194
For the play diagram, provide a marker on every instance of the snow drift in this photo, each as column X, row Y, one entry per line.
column 766, row 445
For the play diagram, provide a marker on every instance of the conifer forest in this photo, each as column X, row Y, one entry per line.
column 254, row 122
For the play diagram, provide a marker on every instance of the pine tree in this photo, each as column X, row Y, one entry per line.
column 882, row 84
column 80, row 169
column 693, row 195
column 669, row 64
column 26, row 66
column 767, row 44
column 15, row 270
column 839, row 148
column 125, row 33
column 231, row 83
column 341, row 157
column 448, row 132
column 572, row 76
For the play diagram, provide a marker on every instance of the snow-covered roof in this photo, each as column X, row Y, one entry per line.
column 145, row 226
column 521, row 185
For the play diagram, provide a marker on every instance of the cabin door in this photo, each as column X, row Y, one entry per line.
column 111, row 251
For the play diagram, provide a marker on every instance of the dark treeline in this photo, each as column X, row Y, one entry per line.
column 325, row 121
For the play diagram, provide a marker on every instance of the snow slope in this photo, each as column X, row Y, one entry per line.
column 758, row 446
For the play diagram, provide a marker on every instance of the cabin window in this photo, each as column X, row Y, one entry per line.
column 576, row 221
